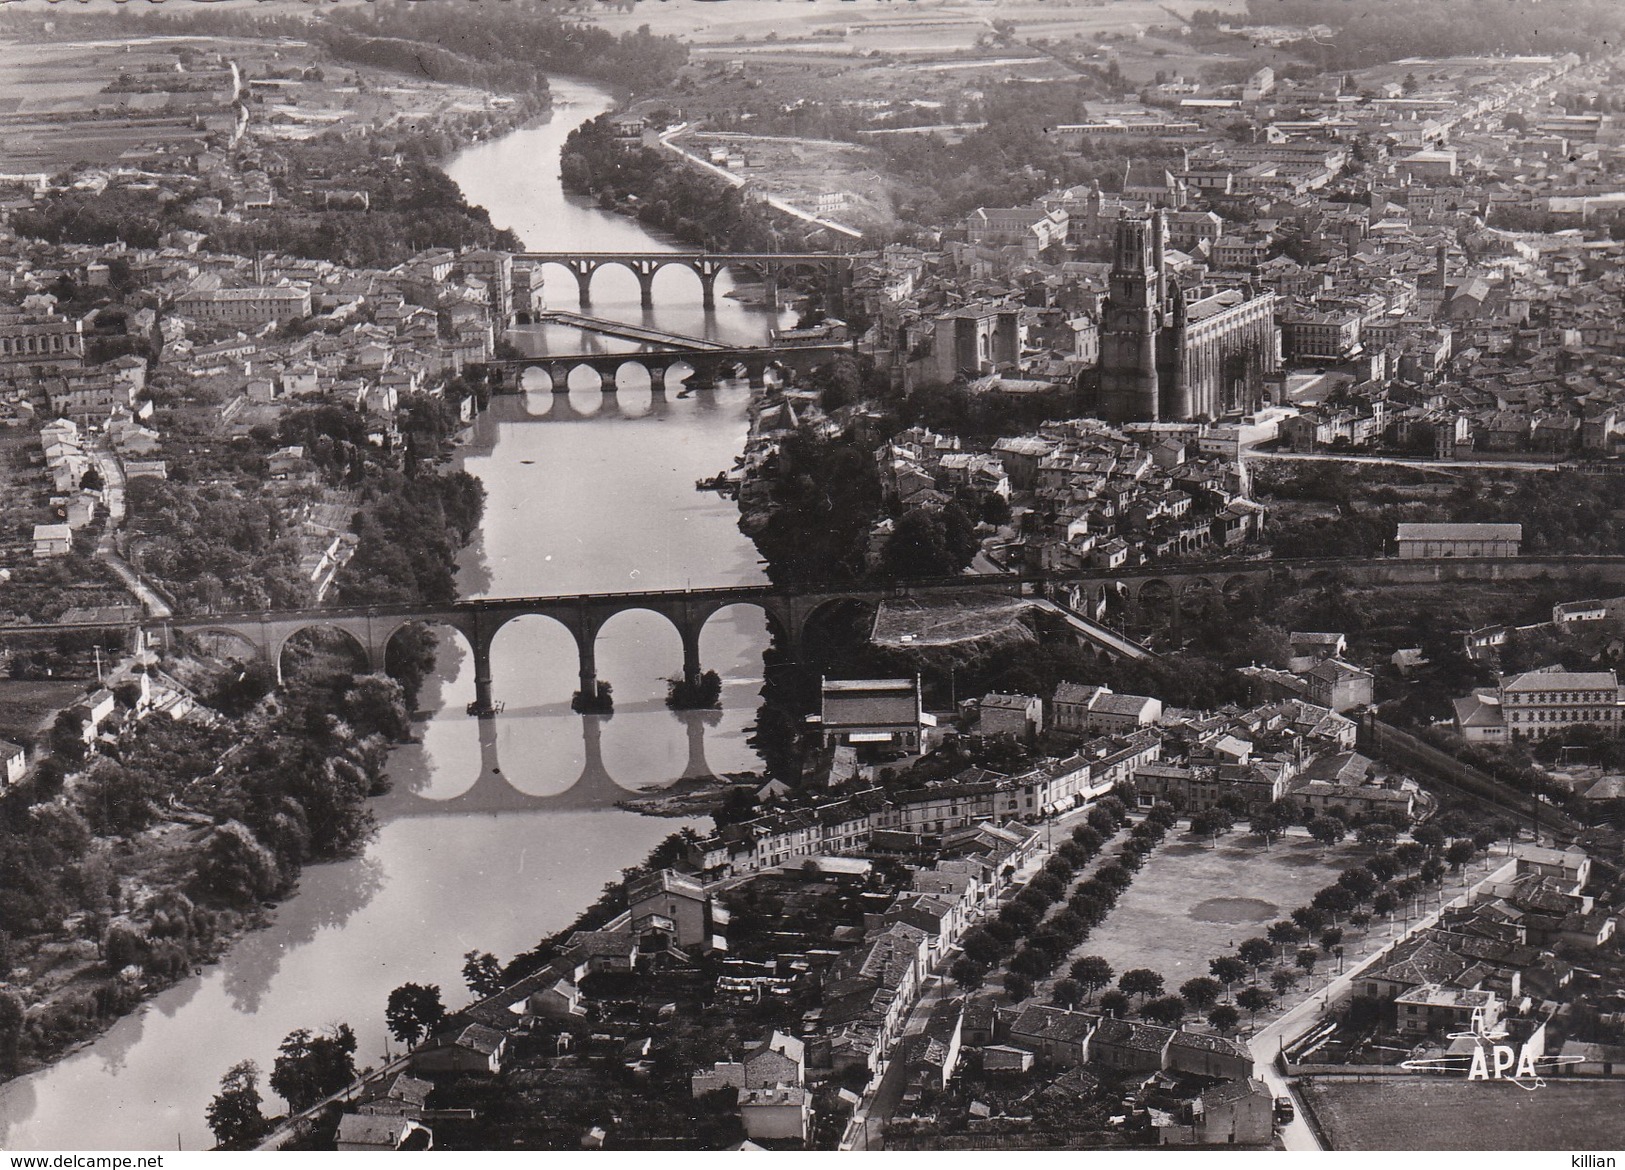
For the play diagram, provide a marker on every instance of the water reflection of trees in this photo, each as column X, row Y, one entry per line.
column 253, row 963
column 18, row 1100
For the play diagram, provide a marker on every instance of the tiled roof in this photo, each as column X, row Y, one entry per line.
column 1414, row 531
column 1050, row 1023
column 1128, row 1034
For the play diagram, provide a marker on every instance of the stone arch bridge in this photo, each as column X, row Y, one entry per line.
column 790, row 610
column 789, row 613
column 708, row 365
column 833, row 270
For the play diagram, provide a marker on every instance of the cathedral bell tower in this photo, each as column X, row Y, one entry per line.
column 1131, row 323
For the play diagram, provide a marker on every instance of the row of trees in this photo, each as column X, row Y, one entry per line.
column 1290, row 944
column 309, row 1066
column 1374, row 32
column 1092, row 974
column 1048, row 940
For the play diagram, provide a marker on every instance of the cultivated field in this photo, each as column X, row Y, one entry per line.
column 944, row 25
column 1436, row 1113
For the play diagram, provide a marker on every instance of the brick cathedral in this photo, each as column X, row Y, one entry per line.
column 1169, row 357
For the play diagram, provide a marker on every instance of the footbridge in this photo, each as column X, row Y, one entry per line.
column 832, row 270
column 708, row 365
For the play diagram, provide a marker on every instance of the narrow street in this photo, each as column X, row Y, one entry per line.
column 867, row 1130
column 112, row 474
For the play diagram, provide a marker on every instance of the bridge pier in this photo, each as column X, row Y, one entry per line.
column 645, row 271
column 479, row 641
column 589, row 699
column 588, row 669
column 691, row 653
column 695, row 723
column 583, row 270
column 484, row 704
column 708, row 289
column 657, row 379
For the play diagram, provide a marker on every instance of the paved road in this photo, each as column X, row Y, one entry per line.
column 1269, row 1042
column 112, row 474
column 1441, row 465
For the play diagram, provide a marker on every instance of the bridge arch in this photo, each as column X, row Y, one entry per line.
column 335, row 633
column 1240, row 595
column 1198, row 597
column 682, row 279
column 409, row 656
column 512, row 670
column 634, row 382
column 823, row 611
column 1157, row 599
column 657, row 651
column 706, row 620
column 250, row 649
column 809, row 274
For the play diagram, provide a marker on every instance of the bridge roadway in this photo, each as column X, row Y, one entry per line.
column 1168, row 590
column 708, row 365
column 627, row 332
column 768, row 268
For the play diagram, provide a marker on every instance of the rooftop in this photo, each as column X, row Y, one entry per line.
column 1416, row 531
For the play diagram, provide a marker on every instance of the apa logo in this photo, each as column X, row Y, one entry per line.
column 1481, row 1067
column 1492, row 1060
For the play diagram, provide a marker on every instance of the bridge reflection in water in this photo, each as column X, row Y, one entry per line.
column 587, row 404
column 510, row 775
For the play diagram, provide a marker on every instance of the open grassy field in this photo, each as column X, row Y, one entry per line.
column 1192, row 903
column 24, row 706
column 1439, row 1113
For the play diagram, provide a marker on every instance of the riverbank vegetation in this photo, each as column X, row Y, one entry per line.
column 218, row 534
column 311, row 1066
column 697, row 208
column 1372, row 32
column 705, row 693
column 120, row 872
column 412, row 205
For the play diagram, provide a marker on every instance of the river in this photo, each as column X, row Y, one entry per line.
column 497, row 832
